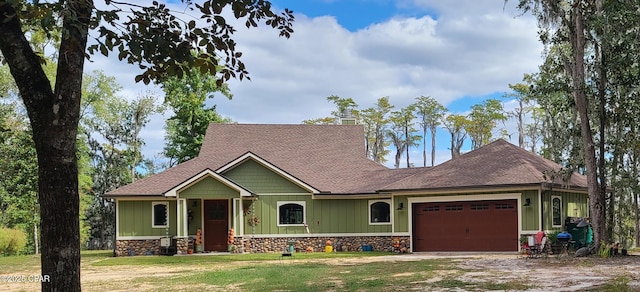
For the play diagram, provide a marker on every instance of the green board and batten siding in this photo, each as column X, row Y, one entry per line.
column 573, row 205
column 322, row 216
column 259, row 179
column 135, row 219
column 208, row 188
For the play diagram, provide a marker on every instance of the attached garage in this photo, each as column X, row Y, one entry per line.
column 489, row 225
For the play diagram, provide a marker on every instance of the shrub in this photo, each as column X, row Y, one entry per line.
column 12, row 241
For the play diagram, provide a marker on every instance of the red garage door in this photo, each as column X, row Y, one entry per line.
column 466, row 226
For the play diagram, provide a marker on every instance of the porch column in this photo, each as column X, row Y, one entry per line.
column 181, row 218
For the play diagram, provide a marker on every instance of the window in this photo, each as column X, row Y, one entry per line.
column 159, row 214
column 291, row 213
column 431, row 209
column 500, row 206
column 556, row 211
column 453, row 208
column 380, row 212
column 477, row 207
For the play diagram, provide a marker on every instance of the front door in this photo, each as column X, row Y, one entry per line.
column 216, row 224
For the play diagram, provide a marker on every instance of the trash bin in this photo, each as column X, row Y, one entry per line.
column 291, row 246
column 580, row 231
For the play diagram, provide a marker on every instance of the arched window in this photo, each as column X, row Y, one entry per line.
column 291, row 213
column 380, row 212
column 556, row 210
column 159, row 214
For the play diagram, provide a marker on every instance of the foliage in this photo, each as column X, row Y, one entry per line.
column 18, row 166
column 187, row 97
column 375, row 120
column 457, row 125
column 431, row 114
column 12, row 241
column 162, row 43
column 401, row 131
column 482, row 120
column 345, row 107
column 152, row 37
column 110, row 128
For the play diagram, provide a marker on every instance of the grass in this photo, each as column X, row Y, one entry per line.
column 265, row 272
column 308, row 276
column 223, row 258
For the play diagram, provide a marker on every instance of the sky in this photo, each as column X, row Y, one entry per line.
column 456, row 51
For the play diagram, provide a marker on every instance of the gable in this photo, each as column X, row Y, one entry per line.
column 209, row 187
column 259, row 179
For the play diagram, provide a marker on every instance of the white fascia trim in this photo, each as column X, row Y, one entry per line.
column 352, row 196
column 328, row 235
column 202, row 175
column 139, row 237
column 154, row 198
column 117, row 218
column 283, row 194
column 268, row 165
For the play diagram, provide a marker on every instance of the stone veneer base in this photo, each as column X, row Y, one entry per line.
column 248, row 244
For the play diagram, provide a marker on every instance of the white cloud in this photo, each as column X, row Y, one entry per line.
column 471, row 48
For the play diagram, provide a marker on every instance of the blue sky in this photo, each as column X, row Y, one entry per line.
column 351, row 14
column 459, row 52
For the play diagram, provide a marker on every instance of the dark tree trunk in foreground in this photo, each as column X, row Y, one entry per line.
column 54, row 119
column 596, row 199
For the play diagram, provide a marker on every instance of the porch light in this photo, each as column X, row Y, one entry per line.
column 527, row 202
column 400, row 206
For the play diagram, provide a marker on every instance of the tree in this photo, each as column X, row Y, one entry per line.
column 482, row 120
column 569, row 19
column 456, row 124
column 430, row 112
column 152, row 37
column 18, row 186
column 187, row 97
column 520, row 93
column 401, row 133
column 375, row 122
column 111, row 127
column 345, row 107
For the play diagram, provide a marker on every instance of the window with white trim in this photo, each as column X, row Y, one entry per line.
column 159, row 214
column 380, row 212
column 291, row 213
column 556, row 211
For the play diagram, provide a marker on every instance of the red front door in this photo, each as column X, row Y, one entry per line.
column 216, row 224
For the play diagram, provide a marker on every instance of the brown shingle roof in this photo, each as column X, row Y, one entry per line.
column 499, row 163
column 331, row 159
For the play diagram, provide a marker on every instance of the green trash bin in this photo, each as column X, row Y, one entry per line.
column 581, row 232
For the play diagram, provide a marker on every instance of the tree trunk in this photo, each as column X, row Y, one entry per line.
column 602, row 119
column 433, row 145
column 520, row 125
column 424, row 146
column 634, row 189
column 578, row 74
column 407, row 142
column 54, row 121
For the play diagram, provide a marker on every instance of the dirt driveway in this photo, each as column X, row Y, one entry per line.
column 554, row 273
column 545, row 274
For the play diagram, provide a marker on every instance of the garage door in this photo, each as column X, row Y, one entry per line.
column 466, row 226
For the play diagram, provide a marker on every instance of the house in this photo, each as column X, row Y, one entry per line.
column 301, row 185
